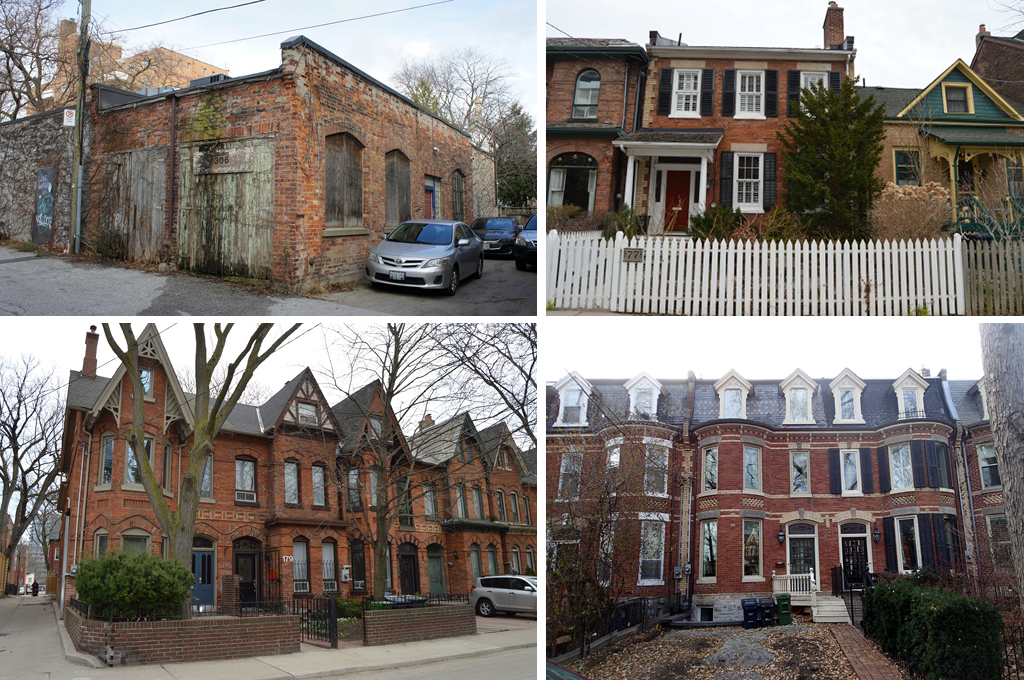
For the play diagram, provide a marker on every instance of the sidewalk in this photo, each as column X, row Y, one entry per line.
column 318, row 663
column 867, row 660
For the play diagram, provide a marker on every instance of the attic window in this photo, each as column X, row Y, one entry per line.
column 307, row 414
column 732, row 403
column 146, row 374
column 574, row 407
column 732, row 391
column 957, row 98
column 846, row 391
column 798, row 388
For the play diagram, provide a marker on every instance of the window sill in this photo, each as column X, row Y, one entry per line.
column 801, row 494
column 852, row 494
column 946, row 489
column 711, row 492
column 758, row 210
column 321, row 507
column 753, row 492
column 559, row 423
column 753, row 579
column 985, row 489
column 750, row 116
column 658, row 494
column 573, row 119
column 248, row 504
column 131, row 486
column 848, row 422
column 332, row 232
column 293, row 505
column 650, row 582
column 106, row 487
column 207, row 500
column 707, row 581
column 684, row 115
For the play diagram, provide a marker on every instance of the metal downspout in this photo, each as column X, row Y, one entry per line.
column 78, row 504
column 64, row 563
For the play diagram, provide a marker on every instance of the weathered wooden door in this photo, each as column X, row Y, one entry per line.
column 226, row 209
column 135, row 201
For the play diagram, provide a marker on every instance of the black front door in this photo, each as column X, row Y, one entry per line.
column 855, row 558
column 408, row 569
column 245, row 567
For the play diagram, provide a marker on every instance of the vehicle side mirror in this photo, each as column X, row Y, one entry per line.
column 519, row 228
column 385, row 234
column 463, row 242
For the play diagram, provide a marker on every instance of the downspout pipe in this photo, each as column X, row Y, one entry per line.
column 64, row 563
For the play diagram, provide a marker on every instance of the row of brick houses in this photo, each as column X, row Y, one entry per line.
column 744, row 487
column 671, row 130
column 290, row 493
column 289, row 175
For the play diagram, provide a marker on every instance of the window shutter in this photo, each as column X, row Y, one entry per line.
column 771, row 94
column 834, row 474
column 933, row 464
column 884, row 484
column 725, row 174
column 924, row 527
column 889, row 531
column 866, row 478
column 943, row 452
column 768, row 200
column 729, row 93
column 917, row 464
column 834, row 81
column 941, row 548
column 665, row 92
column 792, row 91
column 707, row 92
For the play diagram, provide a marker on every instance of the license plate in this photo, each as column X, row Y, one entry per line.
column 487, row 246
column 397, row 276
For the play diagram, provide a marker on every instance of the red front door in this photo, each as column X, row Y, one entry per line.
column 428, row 203
column 677, row 200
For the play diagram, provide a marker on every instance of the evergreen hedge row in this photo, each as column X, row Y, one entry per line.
column 133, row 586
column 937, row 633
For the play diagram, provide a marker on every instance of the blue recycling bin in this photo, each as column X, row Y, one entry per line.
column 749, row 613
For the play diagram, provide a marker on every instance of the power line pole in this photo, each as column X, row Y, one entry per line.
column 76, row 165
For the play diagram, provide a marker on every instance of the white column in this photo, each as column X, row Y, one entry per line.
column 702, row 197
column 628, row 192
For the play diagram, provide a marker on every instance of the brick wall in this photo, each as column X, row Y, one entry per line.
column 208, row 639
column 387, row 627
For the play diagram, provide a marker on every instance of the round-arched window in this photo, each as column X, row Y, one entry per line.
column 573, row 180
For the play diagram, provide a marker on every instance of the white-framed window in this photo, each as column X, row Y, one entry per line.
column 291, row 482
column 980, row 387
column 319, row 488
column 900, row 468
column 907, row 548
column 847, row 410
column 799, row 390
column 808, row 78
column 989, row 465
column 909, row 389
column 908, row 403
column 656, row 471
column 750, row 94
column 644, row 392
column 100, row 543
column 846, row 391
column 574, row 408
column 686, row 94
column 429, row 501
column 146, row 375
column 732, row 390
column 708, row 549
column 135, row 541
column 614, row 453
column 751, row 549
column 751, row 468
column 300, row 565
column 798, row 404
column 652, row 548
column 799, row 472
column 850, row 469
column 107, row 462
column 245, row 480
column 747, row 181
column 732, row 403
column 571, row 475
column 588, row 90
column 307, row 413
column 710, row 476
column 206, row 486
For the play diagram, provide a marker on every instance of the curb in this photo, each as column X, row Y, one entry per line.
column 73, row 656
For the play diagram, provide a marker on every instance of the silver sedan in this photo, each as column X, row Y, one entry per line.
column 426, row 254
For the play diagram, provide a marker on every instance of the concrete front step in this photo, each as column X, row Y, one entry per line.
column 830, row 610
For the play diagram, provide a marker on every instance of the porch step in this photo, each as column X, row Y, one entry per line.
column 830, row 609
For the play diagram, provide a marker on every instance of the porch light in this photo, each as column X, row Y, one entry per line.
column 782, row 534
column 875, row 534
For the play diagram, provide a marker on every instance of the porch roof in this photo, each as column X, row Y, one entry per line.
column 669, row 142
column 954, row 135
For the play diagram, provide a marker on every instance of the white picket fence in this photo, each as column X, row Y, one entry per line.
column 704, row 278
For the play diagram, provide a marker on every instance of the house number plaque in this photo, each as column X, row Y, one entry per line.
column 632, row 254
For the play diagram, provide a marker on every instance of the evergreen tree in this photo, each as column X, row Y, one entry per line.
column 423, row 94
column 830, row 152
column 515, row 139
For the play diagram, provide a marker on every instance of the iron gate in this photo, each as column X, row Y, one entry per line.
column 318, row 618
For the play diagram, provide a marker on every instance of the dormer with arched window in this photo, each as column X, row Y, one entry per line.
column 643, row 397
column 909, row 389
column 847, row 389
column 733, row 390
column 799, row 390
column 588, row 89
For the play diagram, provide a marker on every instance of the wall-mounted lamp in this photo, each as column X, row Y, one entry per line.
column 782, row 534
column 876, row 534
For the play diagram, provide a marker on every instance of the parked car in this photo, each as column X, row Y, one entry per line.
column 510, row 594
column 525, row 249
column 498, row 233
column 426, row 254
column 558, row 672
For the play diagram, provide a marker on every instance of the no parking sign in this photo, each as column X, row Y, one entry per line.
column 69, row 118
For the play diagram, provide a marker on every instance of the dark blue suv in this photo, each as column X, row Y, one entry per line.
column 526, row 245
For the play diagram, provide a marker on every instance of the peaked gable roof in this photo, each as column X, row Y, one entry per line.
column 351, row 412
column 276, row 410
column 962, row 68
column 439, row 443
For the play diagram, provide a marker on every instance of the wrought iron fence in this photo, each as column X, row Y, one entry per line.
column 318, row 618
column 411, row 601
column 1013, row 653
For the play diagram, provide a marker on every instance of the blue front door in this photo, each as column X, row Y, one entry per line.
column 202, row 570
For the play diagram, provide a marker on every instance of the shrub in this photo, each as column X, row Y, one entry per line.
column 937, row 633
column 716, row 223
column 110, row 242
column 910, row 213
column 779, row 224
column 134, row 586
column 625, row 221
column 349, row 609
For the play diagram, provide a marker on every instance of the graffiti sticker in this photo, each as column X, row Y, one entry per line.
column 46, row 202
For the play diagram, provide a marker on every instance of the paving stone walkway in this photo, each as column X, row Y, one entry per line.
column 867, row 660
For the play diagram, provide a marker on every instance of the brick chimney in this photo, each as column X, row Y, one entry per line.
column 89, row 363
column 982, row 33
column 834, row 31
column 926, row 372
column 426, row 422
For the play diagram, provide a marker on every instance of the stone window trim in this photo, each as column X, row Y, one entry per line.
column 288, row 463
column 847, row 381
column 102, row 461
column 732, row 380
column 128, row 454
column 573, row 385
column 675, row 110
column 798, row 380
column 242, row 458
column 136, row 533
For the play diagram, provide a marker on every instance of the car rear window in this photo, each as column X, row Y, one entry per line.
column 422, row 232
column 495, row 224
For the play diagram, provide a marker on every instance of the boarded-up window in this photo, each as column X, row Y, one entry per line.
column 344, row 188
column 397, row 188
column 458, row 198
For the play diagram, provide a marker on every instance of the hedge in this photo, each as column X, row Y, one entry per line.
column 937, row 633
column 134, row 586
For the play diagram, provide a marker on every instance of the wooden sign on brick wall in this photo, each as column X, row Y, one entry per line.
column 222, row 161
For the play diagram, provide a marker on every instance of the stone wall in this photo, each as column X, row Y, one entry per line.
column 393, row 626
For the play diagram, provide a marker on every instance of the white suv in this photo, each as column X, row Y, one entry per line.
column 510, row 594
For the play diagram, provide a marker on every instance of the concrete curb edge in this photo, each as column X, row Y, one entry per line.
column 73, row 656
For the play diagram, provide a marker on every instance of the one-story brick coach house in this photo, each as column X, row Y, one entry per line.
column 290, row 489
column 290, row 175
column 771, row 486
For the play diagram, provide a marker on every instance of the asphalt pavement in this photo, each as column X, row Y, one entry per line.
column 48, row 285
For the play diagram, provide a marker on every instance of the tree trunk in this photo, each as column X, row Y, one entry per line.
column 1002, row 349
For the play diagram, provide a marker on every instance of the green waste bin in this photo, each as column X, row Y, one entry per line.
column 785, row 601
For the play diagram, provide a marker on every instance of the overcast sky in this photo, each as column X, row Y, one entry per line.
column 906, row 43
column 763, row 348
column 378, row 45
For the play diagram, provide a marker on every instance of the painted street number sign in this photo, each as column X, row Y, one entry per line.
column 632, row 254
column 46, row 200
column 223, row 161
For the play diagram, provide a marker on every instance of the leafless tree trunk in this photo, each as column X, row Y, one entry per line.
column 1002, row 350
column 30, row 430
column 209, row 409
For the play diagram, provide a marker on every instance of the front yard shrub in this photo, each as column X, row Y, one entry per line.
column 716, row 223
column 938, row 633
column 905, row 213
column 349, row 609
column 133, row 586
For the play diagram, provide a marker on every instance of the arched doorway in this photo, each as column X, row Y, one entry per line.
column 803, row 549
column 246, row 558
column 855, row 551
column 203, row 571
column 435, row 569
column 408, row 569
column 573, row 180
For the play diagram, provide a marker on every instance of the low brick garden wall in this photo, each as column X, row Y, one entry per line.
column 391, row 626
column 200, row 639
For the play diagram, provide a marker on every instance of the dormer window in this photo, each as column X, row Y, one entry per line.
column 909, row 389
column 574, row 395
column 732, row 392
column 979, row 387
column 574, row 407
column 307, row 414
column 643, row 397
column 799, row 389
column 846, row 390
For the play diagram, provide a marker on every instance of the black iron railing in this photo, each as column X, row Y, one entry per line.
column 1013, row 653
column 412, row 601
column 318, row 618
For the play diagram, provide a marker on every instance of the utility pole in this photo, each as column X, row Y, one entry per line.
column 76, row 165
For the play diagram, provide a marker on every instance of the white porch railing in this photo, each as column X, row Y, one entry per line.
column 803, row 587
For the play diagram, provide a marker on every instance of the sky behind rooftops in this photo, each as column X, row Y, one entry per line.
column 899, row 44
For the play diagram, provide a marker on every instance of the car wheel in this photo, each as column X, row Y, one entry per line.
column 521, row 263
column 485, row 608
column 453, row 282
column 480, row 266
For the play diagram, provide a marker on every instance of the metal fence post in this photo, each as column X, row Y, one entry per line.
column 332, row 624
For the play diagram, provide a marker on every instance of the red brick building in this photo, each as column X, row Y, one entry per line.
column 999, row 60
column 287, row 492
column 771, row 485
